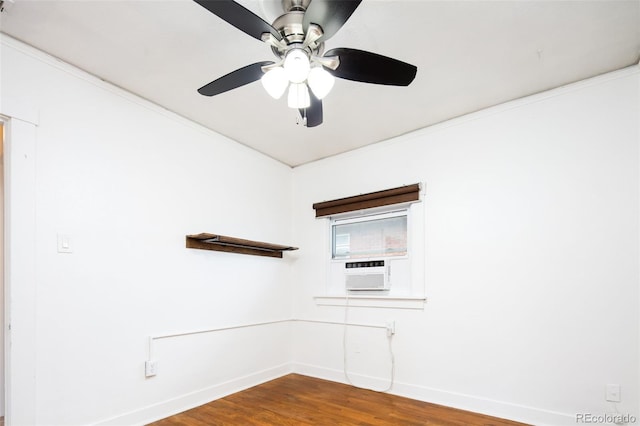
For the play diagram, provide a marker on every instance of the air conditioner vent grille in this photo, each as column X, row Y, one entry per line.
column 365, row 282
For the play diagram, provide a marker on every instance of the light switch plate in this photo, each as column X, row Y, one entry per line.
column 64, row 244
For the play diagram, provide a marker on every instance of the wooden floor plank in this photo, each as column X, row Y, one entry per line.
column 296, row 400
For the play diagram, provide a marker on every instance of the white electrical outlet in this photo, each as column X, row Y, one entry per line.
column 613, row 393
column 150, row 368
column 391, row 328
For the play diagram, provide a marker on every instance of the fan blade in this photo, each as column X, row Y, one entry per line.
column 235, row 79
column 314, row 112
column 240, row 17
column 329, row 14
column 367, row 67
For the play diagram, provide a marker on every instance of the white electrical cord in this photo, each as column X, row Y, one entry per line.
column 615, row 407
column 344, row 352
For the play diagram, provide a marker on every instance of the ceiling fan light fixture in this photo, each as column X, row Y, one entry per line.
column 297, row 65
column 275, row 82
column 298, row 96
column 297, row 38
column 320, row 81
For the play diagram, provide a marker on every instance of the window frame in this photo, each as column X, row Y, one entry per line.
column 358, row 217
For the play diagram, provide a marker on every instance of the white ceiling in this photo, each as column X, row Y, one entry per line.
column 470, row 55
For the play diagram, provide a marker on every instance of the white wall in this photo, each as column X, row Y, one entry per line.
column 531, row 257
column 127, row 181
column 531, row 219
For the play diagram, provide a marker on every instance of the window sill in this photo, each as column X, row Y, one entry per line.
column 373, row 301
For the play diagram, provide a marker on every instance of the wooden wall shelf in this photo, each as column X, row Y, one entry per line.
column 216, row 242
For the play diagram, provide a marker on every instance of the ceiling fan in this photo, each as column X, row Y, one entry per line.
column 297, row 39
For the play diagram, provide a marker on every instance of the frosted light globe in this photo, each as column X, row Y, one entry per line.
column 275, row 82
column 298, row 96
column 320, row 82
column 296, row 66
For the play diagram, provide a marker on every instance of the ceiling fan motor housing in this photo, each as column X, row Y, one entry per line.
column 289, row 25
column 300, row 5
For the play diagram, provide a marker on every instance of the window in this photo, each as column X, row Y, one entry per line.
column 370, row 236
column 374, row 249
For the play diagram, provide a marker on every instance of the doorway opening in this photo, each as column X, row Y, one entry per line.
column 2, row 295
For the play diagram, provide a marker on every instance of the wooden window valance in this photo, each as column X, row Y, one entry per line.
column 403, row 194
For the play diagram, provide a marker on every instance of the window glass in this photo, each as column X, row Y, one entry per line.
column 373, row 237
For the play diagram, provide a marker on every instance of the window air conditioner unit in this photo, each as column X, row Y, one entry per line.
column 366, row 275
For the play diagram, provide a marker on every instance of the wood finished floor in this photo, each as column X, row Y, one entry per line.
column 301, row 400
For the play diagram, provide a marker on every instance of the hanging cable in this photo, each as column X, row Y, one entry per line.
column 344, row 352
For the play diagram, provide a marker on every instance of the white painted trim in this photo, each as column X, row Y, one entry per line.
column 20, row 272
column 372, row 302
column 3, row 122
column 179, row 404
column 496, row 408
column 17, row 108
column 489, row 407
column 638, row 271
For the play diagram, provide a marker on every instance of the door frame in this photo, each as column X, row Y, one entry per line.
column 19, row 264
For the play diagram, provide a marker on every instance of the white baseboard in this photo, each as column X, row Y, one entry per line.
column 185, row 402
column 489, row 407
